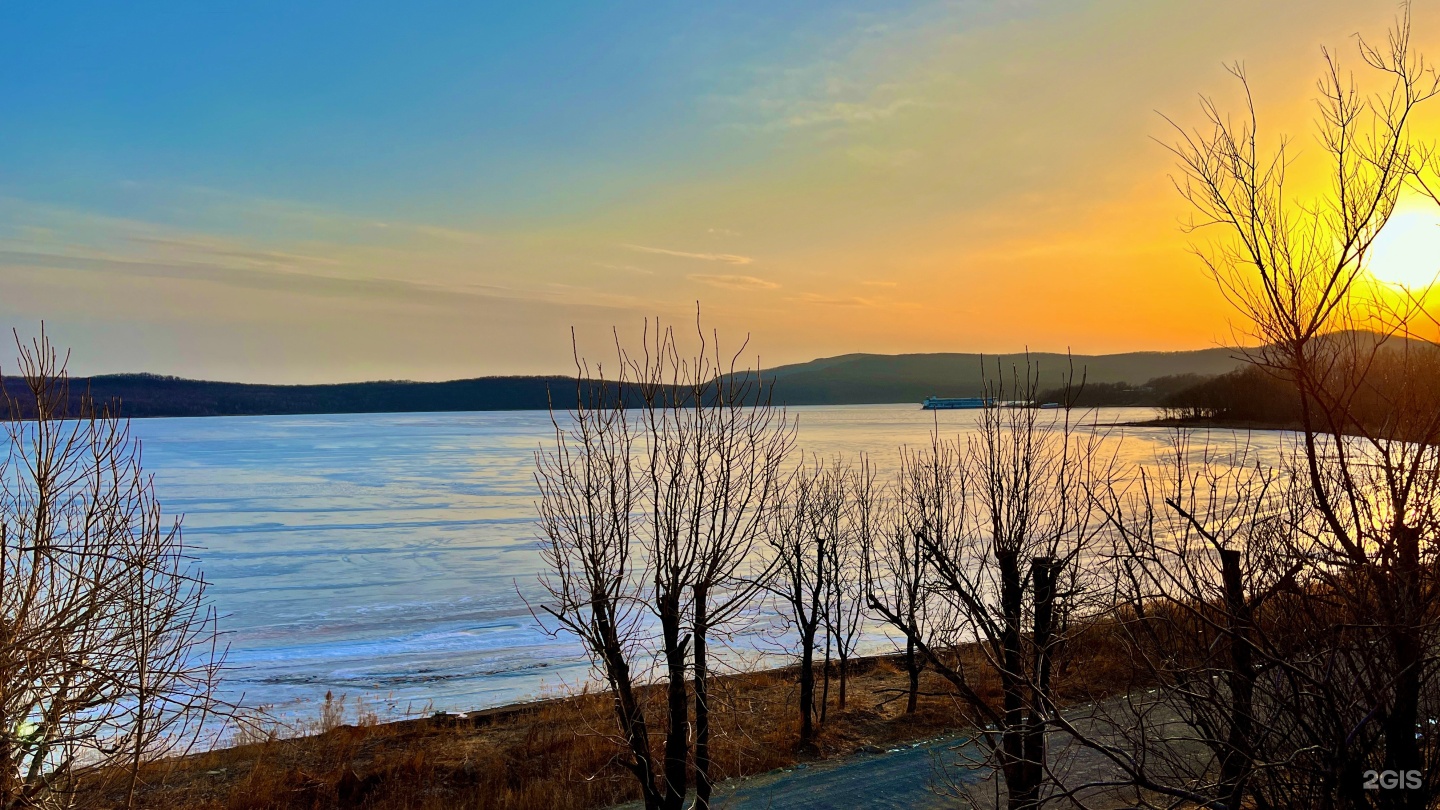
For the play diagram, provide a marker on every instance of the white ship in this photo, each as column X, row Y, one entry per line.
column 955, row 403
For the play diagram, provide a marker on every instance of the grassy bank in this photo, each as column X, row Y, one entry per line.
column 559, row 753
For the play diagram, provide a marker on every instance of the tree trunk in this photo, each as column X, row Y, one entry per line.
column 807, row 685
column 1012, row 735
column 825, row 692
column 912, row 667
column 840, row 649
column 1402, row 748
column 637, row 733
column 1235, row 763
column 9, row 784
column 1042, row 572
column 676, row 743
column 627, row 708
column 702, row 705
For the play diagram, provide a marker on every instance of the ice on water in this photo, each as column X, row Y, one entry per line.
column 387, row 555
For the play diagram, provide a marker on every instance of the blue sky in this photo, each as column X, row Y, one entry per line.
column 452, row 109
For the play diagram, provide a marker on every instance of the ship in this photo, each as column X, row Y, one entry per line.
column 955, row 403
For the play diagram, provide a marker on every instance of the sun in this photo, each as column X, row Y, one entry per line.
column 1406, row 253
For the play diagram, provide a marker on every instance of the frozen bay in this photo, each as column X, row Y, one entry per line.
column 380, row 555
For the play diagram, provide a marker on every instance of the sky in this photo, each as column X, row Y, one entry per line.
column 330, row 191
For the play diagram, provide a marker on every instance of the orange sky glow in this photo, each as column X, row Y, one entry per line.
column 916, row 182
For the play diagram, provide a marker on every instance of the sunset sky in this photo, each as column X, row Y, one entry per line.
column 326, row 191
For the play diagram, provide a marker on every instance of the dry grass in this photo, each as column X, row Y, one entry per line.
column 559, row 753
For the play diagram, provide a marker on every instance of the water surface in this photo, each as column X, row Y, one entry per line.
column 390, row 556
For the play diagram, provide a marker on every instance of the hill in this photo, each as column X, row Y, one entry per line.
column 877, row 378
column 843, row 380
column 143, row 395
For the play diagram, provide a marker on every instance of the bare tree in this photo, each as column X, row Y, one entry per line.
column 651, row 501
column 846, row 615
column 719, row 476
column 1004, row 523
column 801, row 533
column 109, row 651
column 893, row 557
column 589, row 495
column 1312, row 578
column 1294, row 270
column 1212, row 612
column 929, row 501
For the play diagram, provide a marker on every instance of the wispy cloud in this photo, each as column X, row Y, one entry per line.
column 328, row 287
column 339, row 256
column 450, row 234
column 844, row 112
column 834, row 301
column 625, row 268
column 216, row 249
column 288, row 281
column 726, row 258
column 733, row 282
column 882, row 157
column 880, row 283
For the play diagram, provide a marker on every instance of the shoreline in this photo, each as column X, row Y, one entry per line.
column 562, row 751
column 1214, row 424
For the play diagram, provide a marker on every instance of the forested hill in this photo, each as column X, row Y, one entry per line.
column 143, row 395
column 849, row 379
column 873, row 378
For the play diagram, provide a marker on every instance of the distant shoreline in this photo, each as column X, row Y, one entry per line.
column 857, row 379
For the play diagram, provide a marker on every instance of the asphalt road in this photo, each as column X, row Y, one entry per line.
column 899, row 778
column 909, row 777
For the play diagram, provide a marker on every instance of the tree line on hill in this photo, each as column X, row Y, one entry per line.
column 150, row 395
column 1382, row 388
column 1247, row 395
column 857, row 379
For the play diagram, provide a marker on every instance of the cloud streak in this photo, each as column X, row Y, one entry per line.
column 290, row 282
column 219, row 250
column 844, row 112
column 834, row 301
column 730, row 282
column 270, row 279
column 625, row 268
column 725, row 258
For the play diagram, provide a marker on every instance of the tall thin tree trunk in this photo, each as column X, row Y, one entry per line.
column 1012, row 747
column 631, row 716
column 1042, row 573
column 676, row 742
column 702, row 704
column 840, row 649
column 1235, row 764
column 825, row 692
column 912, row 667
column 1402, row 748
column 807, row 685
column 9, row 767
